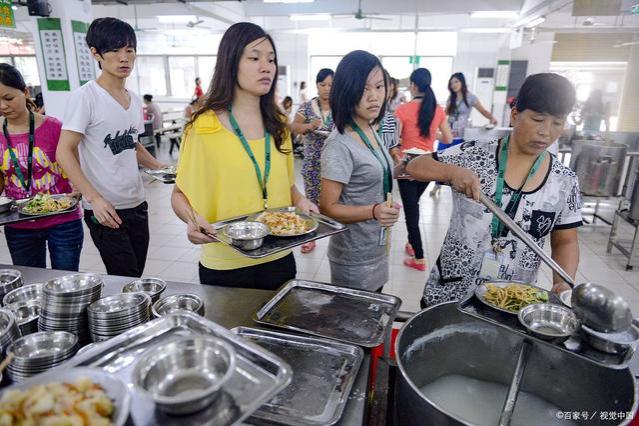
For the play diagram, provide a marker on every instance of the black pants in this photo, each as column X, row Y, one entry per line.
column 411, row 191
column 267, row 276
column 123, row 250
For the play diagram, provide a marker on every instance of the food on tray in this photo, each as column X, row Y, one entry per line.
column 283, row 223
column 44, row 203
column 513, row 297
column 81, row 403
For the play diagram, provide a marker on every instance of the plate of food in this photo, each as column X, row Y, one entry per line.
column 80, row 395
column 286, row 222
column 509, row 296
column 42, row 204
column 164, row 171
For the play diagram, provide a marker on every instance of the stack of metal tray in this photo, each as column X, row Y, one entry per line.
column 323, row 374
column 353, row 316
column 258, row 376
column 273, row 244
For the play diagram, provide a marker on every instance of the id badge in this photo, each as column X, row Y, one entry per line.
column 490, row 265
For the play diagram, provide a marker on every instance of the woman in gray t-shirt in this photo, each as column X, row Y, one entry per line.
column 357, row 174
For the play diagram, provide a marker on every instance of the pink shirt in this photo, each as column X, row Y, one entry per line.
column 47, row 177
column 407, row 113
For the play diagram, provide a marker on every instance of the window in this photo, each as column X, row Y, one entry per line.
column 205, row 68
column 182, row 76
column 28, row 67
column 440, row 68
column 151, row 75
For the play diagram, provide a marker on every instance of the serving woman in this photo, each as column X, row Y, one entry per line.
column 236, row 158
column 28, row 143
column 357, row 176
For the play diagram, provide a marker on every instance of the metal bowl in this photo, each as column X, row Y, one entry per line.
column 176, row 303
column 77, row 285
column 23, row 294
column 154, row 287
column 44, row 345
column 246, row 235
column 10, row 279
column 600, row 309
column 5, row 204
column 25, row 312
column 549, row 321
column 185, row 375
column 612, row 343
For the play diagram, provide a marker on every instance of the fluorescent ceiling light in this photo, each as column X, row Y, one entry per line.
column 485, row 30
column 176, row 19
column 288, row 1
column 311, row 17
column 495, row 14
column 536, row 21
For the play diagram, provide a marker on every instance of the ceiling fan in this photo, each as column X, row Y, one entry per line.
column 360, row 14
column 197, row 23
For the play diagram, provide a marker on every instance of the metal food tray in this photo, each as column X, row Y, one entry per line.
column 482, row 289
column 13, row 215
column 161, row 175
column 471, row 305
column 258, row 376
column 273, row 244
column 324, row 372
column 346, row 314
column 21, row 204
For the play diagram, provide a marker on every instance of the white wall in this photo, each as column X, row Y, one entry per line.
column 538, row 54
column 479, row 51
column 292, row 50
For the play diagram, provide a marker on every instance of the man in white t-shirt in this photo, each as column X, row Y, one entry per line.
column 102, row 124
column 529, row 183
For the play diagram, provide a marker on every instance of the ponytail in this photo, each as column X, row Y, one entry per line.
column 421, row 78
column 426, row 112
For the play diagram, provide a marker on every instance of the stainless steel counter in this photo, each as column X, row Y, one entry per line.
column 229, row 307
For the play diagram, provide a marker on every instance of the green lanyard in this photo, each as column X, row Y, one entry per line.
column 496, row 225
column 325, row 120
column 388, row 179
column 267, row 156
column 26, row 183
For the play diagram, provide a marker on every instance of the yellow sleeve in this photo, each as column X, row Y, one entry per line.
column 186, row 152
column 290, row 160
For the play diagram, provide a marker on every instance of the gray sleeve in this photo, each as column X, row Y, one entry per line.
column 472, row 100
column 337, row 162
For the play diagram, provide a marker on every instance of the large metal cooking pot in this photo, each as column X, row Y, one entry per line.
column 462, row 363
column 599, row 166
column 633, row 213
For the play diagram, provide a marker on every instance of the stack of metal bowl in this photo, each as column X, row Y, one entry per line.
column 64, row 307
column 114, row 315
column 38, row 352
column 9, row 331
column 178, row 303
column 27, row 314
column 151, row 286
column 10, row 279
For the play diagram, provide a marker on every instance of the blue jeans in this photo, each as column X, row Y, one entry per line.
column 28, row 247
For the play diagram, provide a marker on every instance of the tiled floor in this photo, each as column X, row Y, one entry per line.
column 172, row 257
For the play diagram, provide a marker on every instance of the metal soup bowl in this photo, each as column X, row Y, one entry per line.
column 24, row 293
column 10, row 279
column 549, row 321
column 5, row 204
column 185, row 375
column 44, row 344
column 154, row 287
column 25, row 311
column 78, row 285
column 247, row 235
column 178, row 302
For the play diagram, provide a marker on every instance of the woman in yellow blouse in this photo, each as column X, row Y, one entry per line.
column 236, row 158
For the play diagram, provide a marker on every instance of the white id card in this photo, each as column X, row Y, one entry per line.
column 490, row 265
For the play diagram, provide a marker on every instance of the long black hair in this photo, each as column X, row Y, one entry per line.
column 452, row 99
column 421, row 78
column 221, row 89
column 349, row 84
column 11, row 77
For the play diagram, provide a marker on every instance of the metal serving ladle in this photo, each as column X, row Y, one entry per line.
column 595, row 305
